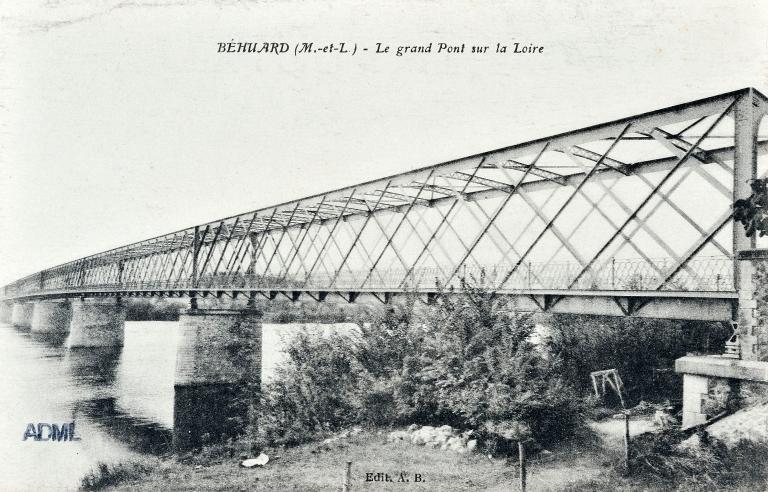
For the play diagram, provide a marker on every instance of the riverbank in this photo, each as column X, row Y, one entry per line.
column 593, row 461
column 320, row 466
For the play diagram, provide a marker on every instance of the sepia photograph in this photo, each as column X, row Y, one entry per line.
column 392, row 245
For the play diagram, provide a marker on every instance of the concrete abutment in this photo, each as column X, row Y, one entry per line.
column 717, row 382
column 218, row 375
column 96, row 324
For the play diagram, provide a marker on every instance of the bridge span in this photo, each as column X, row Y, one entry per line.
column 632, row 217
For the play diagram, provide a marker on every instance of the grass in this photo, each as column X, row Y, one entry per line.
column 658, row 463
column 591, row 462
column 319, row 467
column 105, row 475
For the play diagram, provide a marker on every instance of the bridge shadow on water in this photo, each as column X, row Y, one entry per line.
column 101, row 397
column 136, row 433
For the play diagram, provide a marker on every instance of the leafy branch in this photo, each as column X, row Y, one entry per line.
column 752, row 212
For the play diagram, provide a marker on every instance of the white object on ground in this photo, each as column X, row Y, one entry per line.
column 260, row 460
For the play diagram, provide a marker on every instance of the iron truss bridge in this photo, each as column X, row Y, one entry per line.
column 629, row 217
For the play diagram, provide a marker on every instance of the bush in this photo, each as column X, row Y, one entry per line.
column 490, row 376
column 633, row 346
column 153, row 310
column 467, row 361
column 106, row 475
column 316, row 392
column 711, row 466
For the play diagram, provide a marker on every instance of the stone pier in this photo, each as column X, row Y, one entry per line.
column 51, row 317
column 218, row 375
column 21, row 317
column 6, row 309
column 96, row 324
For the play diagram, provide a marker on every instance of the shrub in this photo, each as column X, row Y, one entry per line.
column 490, row 375
column 633, row 346
column 711, row 466
column 316, row 391
column 153, row 310
column 467, row 361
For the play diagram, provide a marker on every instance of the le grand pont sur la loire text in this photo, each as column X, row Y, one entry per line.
column 303, row 48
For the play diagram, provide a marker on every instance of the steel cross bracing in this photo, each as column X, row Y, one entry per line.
column 629, row 217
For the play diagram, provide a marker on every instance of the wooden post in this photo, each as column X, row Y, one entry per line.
column 626, row 444
column 521, row 455
column 348, row 477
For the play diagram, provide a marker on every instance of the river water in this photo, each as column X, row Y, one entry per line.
column 121, row 400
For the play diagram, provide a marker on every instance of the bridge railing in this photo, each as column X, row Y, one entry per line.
column 712, row 274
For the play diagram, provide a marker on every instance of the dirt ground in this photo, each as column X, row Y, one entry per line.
column 315, row 467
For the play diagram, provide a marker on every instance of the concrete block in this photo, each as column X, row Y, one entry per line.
column 695, row 384
column 693, row 400
column 746, row 294
column 722, row 367
column 748, row 303
column 691, row 419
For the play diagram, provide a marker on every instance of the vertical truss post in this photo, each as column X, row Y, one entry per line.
column 195, row 273
column 746, row 123
column 744, row 167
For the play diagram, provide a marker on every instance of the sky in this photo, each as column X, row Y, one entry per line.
column 120, row 120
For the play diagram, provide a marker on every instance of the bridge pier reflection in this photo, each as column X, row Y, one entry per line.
column 21, row 316
column 96, row 324
column 218, row 375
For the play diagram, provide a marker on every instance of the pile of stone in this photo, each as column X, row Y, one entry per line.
column 343, row 435
column 445, row 438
